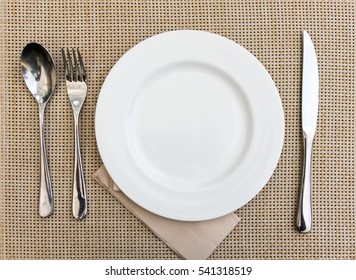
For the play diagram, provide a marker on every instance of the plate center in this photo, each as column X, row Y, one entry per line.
column 189, row 125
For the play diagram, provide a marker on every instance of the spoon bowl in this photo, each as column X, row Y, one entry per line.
column 39, row 73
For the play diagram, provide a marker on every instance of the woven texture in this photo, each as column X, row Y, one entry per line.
column 104, row 31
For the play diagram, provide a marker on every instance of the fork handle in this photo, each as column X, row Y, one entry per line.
column 79, row 203
column 304, row 215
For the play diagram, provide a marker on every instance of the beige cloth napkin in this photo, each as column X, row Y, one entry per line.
column 190, row 240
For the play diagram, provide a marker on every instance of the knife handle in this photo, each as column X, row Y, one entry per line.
column 304, row 216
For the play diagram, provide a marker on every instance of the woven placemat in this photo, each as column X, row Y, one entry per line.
column 104, row 31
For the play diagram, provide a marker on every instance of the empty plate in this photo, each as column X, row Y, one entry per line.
column 189, row 125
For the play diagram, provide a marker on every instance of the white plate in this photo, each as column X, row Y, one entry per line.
column 189, row 125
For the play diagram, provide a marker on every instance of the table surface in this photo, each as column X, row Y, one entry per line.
column 104, row 31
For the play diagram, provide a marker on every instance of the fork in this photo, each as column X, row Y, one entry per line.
column 77, row 90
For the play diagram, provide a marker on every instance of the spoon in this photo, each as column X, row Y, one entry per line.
column 39, row 73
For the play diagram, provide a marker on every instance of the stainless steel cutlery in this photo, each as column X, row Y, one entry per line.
column 77, row 91
column 310, row 100
column 39, row 73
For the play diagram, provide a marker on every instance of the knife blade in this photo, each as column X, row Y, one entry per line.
column 310, row 103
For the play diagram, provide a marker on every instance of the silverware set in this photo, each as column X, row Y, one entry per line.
column 39, row 73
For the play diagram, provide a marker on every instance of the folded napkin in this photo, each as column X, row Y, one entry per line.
column 190, row 240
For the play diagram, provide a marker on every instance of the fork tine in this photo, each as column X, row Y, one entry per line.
column 65, row 66
column 71, row 71
column 81, row 64
column 76, row 73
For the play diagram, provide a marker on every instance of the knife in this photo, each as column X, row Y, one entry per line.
column 310, row 102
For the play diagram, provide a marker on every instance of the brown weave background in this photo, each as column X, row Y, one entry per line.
column 104, row 30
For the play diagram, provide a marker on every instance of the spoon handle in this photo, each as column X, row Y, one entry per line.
column 80, row 205
column 46, row 205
